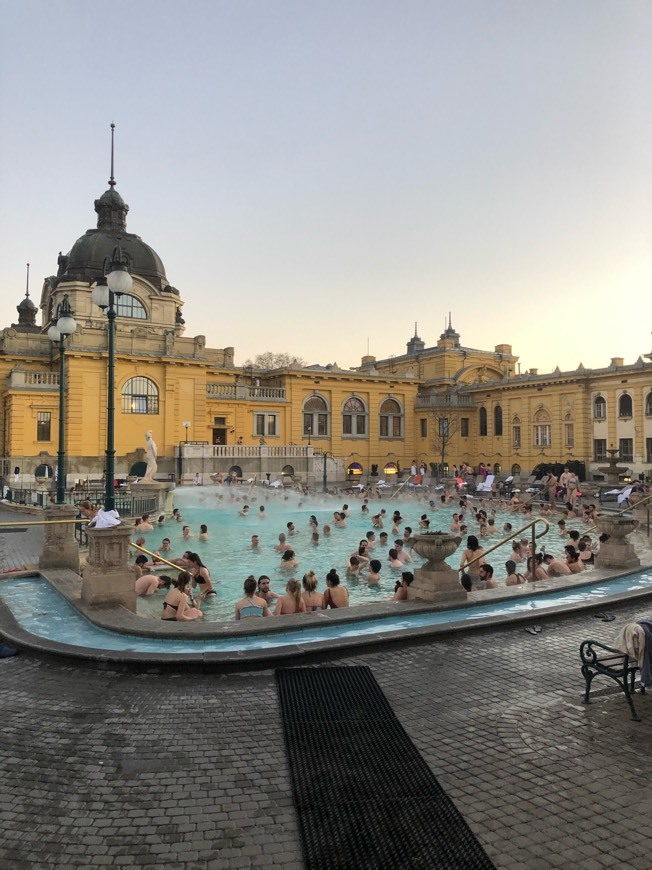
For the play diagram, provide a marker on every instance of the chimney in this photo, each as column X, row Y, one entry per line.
column 617, row 361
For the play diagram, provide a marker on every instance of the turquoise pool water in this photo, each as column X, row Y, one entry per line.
column 229, row 556
column 40, row 609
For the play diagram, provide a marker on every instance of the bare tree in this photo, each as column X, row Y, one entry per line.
column 444, row 430
column 271, row 360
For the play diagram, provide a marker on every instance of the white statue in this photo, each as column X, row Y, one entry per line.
column 150, row 456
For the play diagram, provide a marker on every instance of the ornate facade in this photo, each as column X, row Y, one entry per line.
column 443, row 404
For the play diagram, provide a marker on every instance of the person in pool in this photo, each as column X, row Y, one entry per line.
column 177, row 605
column 335, row 595
column 200, row 576
column 291, row 602
column 311, row 598
column 251, row 606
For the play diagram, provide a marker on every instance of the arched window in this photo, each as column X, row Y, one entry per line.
column 542, row 429
column 354, row 469
column 354, row 417
column 599, row 408
column 483, row 421
column 625, row 406
column 497, row 468
column 648, row 405
column 140, row 396
column 498, row 420
column 516, row 432
column 516, row 469
column 129, row 306
column 391, row 419
column 316, row 417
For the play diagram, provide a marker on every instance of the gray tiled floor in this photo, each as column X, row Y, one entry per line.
column 99, row 768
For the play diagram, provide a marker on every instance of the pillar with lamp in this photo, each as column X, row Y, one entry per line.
column 114, row 281
column 63, row 324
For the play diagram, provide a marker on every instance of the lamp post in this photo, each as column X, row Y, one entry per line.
column 114, row 281
column 187, row 424
column 309, row 436
column 325, row 478
column 63, row 324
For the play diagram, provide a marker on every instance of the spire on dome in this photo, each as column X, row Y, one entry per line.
column 110, row 207
column 26, row 308
column 449, row 332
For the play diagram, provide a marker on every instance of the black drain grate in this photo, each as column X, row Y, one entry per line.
column 365, row 797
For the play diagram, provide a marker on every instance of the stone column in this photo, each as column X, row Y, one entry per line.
column 60, row 549
column 108, row 577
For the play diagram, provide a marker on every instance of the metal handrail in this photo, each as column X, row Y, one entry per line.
column 529, row 525
column 623, row 511
column 156, row 556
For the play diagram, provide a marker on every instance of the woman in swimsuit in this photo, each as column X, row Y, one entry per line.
column 251, row 606
column 200, row 576
column 335, row 595
column 311, row 598
column 291, row 602
column 473, row 551
column 176, row 606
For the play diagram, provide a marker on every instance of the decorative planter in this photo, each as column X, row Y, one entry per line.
column 617, row 552
column 436, row 581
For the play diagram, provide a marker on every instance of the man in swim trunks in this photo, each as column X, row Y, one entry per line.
column 264, row 591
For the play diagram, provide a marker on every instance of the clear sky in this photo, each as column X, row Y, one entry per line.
column 317, row 175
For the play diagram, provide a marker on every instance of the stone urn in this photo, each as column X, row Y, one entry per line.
column 617, row 552
column 436, row 581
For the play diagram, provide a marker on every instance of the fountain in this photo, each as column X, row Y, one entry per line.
column 436, row 581
column 617, row 551
column 612, row 471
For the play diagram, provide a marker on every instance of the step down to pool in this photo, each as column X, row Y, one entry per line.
column 364, row 796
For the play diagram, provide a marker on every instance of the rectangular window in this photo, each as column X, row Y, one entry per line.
column 464, row 427
column 43, row 421
column 360, row 424
column 265, row 424
column 569, row 434
column 322, row 424
column 307, row 424
column 516, row 436
column 396, row 427
column 648, row 449
column 542, row 435
column 424, row 427
column 599, row 449
column 444, row 427
column 626, row 446
column 346, row 425
column 384, row 427
column 219, row 421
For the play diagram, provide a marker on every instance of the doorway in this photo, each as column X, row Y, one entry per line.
column 219, row 436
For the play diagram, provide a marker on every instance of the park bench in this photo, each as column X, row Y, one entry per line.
column 598, row 658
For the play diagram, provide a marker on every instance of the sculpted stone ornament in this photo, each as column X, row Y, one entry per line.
column 150, row 457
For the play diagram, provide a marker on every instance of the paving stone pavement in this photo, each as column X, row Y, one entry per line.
column 100, row 768
column 22, row 546
column 103, row 768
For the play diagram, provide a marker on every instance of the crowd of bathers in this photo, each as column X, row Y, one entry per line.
column 378, row 553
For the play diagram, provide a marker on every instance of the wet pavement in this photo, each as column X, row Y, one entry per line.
column 103, row 768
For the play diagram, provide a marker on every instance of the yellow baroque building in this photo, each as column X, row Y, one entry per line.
column 437, row 405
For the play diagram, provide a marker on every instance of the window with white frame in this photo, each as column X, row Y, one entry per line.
column 316, row 417
column 599, row 408
column 354, row 417
column 391, row 419
column 569, row 434
column 129, row 306
column 266, row 424
column 43, row 424
column 599, row 449
column 542, row 430
column 516, row 432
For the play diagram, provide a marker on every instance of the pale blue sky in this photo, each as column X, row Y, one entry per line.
column 319, row 175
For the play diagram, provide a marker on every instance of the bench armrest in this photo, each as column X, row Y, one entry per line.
column 591, row 650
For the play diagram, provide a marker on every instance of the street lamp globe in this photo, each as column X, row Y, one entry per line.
column 100, row 293
column 118, row 279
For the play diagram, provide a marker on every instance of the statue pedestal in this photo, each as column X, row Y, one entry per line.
column 617, row 552
column 162, row 490
column 436, row 581
column 60, row 549
column 107, row 577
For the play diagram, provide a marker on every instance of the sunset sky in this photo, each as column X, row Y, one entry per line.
column 317, row 176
